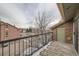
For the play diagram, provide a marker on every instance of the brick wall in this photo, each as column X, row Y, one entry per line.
column 13, row 32
column 8, row 32
column 69, row 31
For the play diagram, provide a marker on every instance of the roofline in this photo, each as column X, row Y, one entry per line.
column 60, row 23
column 61, row 9
column 9, row 24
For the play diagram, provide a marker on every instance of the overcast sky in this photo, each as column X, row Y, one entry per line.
column 22, row 14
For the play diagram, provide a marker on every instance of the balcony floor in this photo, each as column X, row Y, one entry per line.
column 58, row 49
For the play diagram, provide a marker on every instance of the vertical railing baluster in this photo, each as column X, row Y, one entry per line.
column 43, row 39
column 46, row 38
column 26, row 47
column 28, row 51
column 2, row 49
column 38, row 41
column 19, row 47
column 9, row 48
column 14, row 48
column 51, row 36
column 31, row 45
column 23, row 47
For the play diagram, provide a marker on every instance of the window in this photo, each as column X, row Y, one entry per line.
column 6, row 34
column 6, row 26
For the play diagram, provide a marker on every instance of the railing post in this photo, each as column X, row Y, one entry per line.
column 31, row 45
column 52, row 36
column 23, row 47
column 2, row 49
column 14, row 48
column 26, row 47
column 9, row 48
column 42, row 40
column 46, row 38
column 19, row 47
column 39, row 41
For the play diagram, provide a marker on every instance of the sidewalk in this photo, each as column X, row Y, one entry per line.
column 59, row 49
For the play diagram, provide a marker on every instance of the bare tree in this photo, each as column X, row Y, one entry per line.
column 42, row 20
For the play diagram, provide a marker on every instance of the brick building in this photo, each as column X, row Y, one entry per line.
column 8, row 31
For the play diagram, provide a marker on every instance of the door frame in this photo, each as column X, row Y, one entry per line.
column 76, row 32
column 64, row 34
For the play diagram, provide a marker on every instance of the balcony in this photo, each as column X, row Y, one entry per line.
column 36, row 45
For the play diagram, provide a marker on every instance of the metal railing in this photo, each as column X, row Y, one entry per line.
column 24, row 46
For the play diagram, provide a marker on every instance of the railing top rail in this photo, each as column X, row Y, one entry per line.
column 15, row 39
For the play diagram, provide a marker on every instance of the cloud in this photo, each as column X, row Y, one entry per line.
column 22, row 14
column 12, row 14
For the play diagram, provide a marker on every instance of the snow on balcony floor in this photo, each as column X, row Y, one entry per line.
column 59, row 49
column 56, row 49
